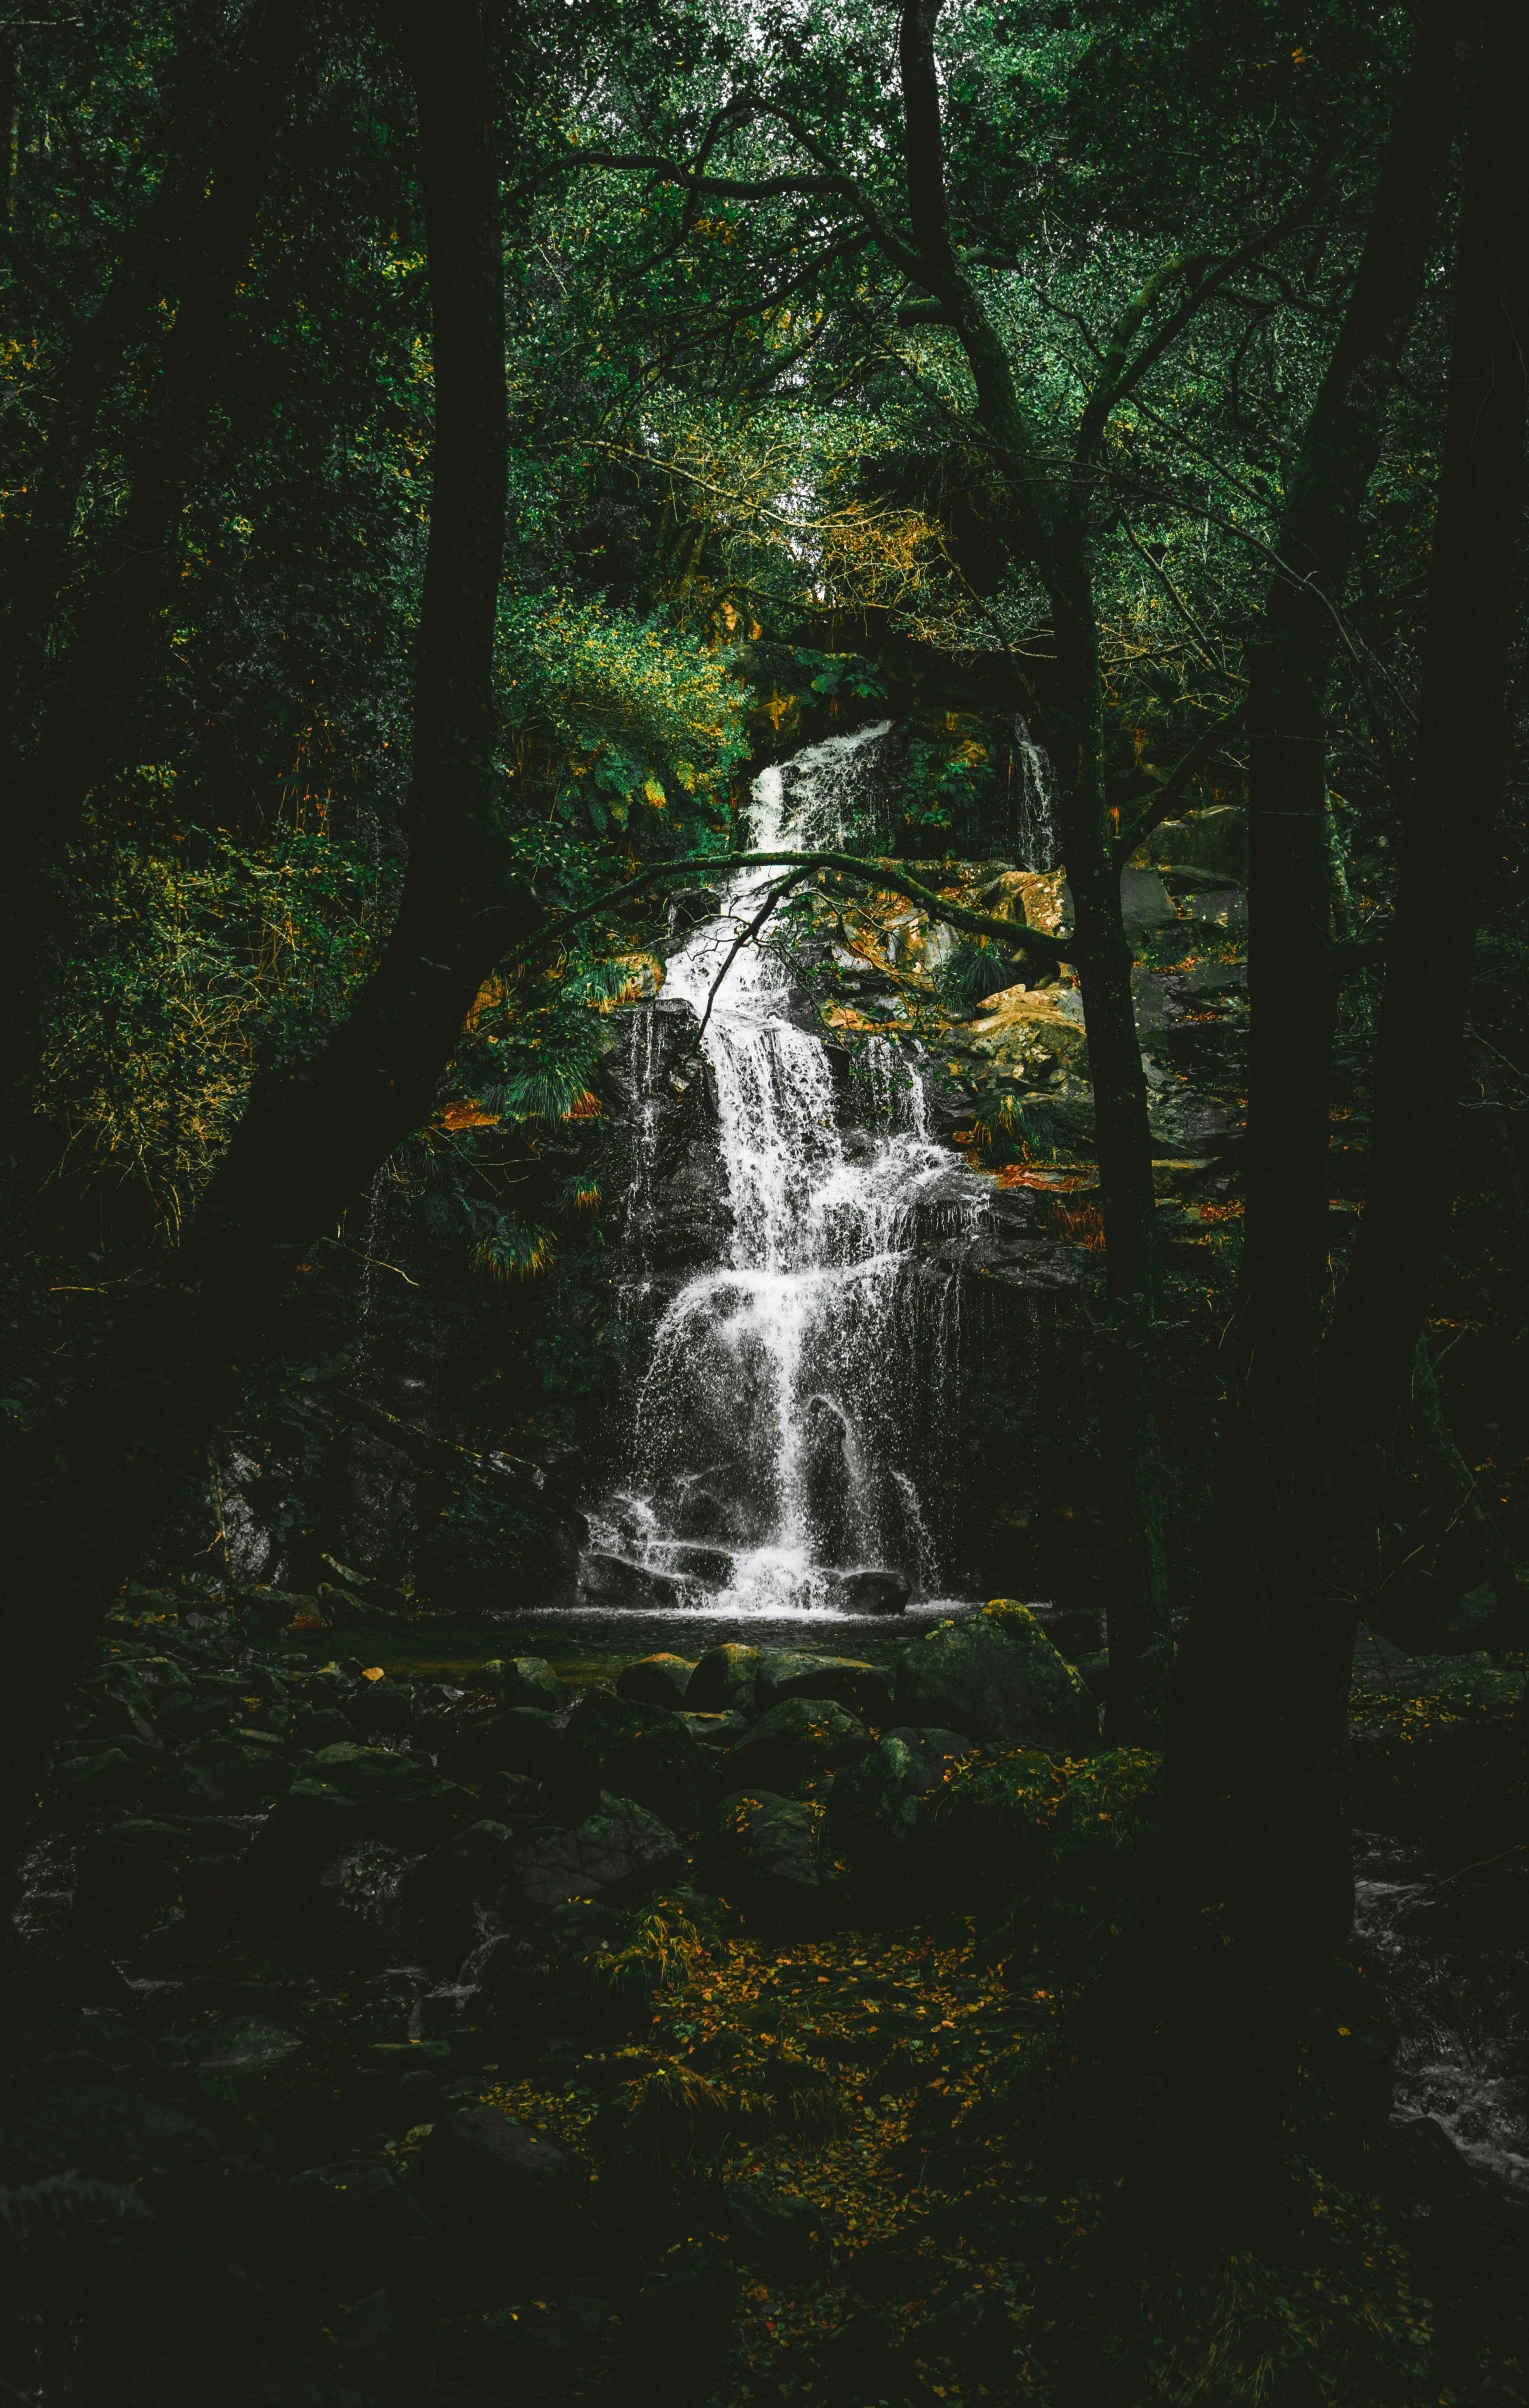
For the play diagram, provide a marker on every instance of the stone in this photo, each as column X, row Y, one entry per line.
column 635, row 1751
column 480, row 2166
column 723, row 1681
column 716, row 1730
column 524, row 1681
column 374, row 2328
column 106, row 1777
column 994, row 1675
column 367, row 2225
column 790, row 1672
column 988, row 1827
column 1107, row 1825
column 656, row 1680
column 762, row 1848
column 783, row 2230
column 1215, row 839
column 874, row 1591
column 519, row 1971
column 614, row 1580
column 877, row 1818
column 619, row 1851
column 464, row 1866
column 350, row 1792
column 795, row 1745
column 1145, row 903
column 523, row 1740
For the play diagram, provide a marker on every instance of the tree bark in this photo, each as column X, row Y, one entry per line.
column 90, row 1487
column 1290, row 1891
column 1272, row 1356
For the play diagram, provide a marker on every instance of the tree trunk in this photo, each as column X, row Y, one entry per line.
column 1272, row 1353
column 91, row 1487
column 1291, row 1890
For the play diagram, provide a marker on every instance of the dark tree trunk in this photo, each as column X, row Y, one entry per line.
column 1289, row 1878
column 1272, row 1354
column 91, row 1487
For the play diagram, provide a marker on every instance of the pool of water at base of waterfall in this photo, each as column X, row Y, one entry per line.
column 1462, row 2051
column 585, row 1643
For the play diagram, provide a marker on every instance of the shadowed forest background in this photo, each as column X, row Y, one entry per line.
column 1006, row 523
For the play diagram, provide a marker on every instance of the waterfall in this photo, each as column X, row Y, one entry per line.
column 777, row 1430
column 1039, row 844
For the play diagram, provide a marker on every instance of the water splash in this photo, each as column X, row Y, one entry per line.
column 774, row 1445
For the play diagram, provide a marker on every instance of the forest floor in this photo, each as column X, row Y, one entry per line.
column 252, row 2136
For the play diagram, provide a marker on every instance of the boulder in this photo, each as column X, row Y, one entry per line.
column 996, row 1676
column 635, row 1751
column 465, row 1866
column 480, row 2167
column 790, row 1672
column 988, row 1827
column 620, row 1851
column 723, row 1681
column 656, row 1680
column 780, row 2229
column 348, row 1792
column 1215, row 839
column 524, row 1681
column 795, row 1745
column 97, row 2131
column 874, row 1591
column 523, row 1740
column 877, row 1818
column 760, row 1847
column 615, row 1580
column 519, row 1971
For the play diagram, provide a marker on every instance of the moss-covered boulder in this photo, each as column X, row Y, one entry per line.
column 657, row 1680
column 525, row 1681
column 996, row 1676
column 723, row 1681
column 1109, row 1819
column 760, row 1848
column 796, row 1746
column 988, row 1828
column 862, row 1689
column 877, row 1821
column 639, row 1751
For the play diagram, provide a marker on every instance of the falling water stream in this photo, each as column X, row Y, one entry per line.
column 774, row 1459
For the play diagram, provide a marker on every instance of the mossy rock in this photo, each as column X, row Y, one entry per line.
column 996, row 1676
column 796, row 1746
column 879, row 1808
column 1108, row 1822
column 988, row 1832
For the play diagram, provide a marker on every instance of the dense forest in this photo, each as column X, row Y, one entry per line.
column 765, row 1163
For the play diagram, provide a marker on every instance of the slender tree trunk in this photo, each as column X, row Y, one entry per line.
column 1272, row 1354
column 1130, row 1375
column 1290, row 1901
column 90, row 1488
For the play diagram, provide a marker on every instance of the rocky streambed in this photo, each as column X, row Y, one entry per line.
column 639, row 2027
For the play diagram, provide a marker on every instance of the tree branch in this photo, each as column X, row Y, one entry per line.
column 1173, row 785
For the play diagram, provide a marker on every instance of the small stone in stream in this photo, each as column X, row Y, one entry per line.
column 367, row 2225
column 464, row 1866
column 325, row 1726
column 620, row 1851
column 795, row 1744
column 482, row 2166
column 996, row 1676
column 522, row 1739
column 761, row 1848
column 873, row 1592
column 656, row 1680
column 876, row 1818
column 723, row 1681
column 791, row 1672
column 632, row 1751
column 524, row 1681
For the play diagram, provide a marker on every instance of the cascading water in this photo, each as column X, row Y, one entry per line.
column 774, row 1430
